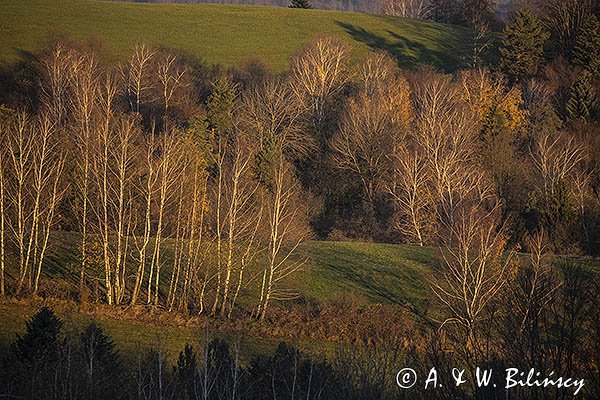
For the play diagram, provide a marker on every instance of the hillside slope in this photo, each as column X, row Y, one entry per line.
column 368, row 272
column 221, row 34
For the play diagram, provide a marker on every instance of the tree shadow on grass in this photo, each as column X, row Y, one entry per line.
column 408, row 53
column 379, row 280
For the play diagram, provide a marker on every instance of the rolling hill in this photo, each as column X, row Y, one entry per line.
column 367, row 273
column 221, row 34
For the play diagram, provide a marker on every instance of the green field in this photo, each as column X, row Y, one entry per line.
column 368, row 272
column 365, row 272
column 220, row 34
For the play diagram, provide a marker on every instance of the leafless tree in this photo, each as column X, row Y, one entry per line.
column 374, row 124
column 556, row 158
column 565, row 17
column 481, row 41
column 84, row 80
column 407, row 8
column 168, row 174
column 446, row 130
column 285, row 234
column 477, row 265
column 3, row 177
column 239, row 193
column 196, row 228
column 147, row 190
column 37, row 163
column 121, row 164
column 319, row 72
column 409, row 186
column 102, row 175
column 20, row 148
column 172, row 78
column 273, row 122
column 271, row 113
column 54, row 83
column 136, row 75
column 540, row 286
column 364, row 141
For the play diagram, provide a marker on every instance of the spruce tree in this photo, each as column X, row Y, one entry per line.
column 582, row 101
column 586, row 53
column 523, row 46
column 300, row 4
column 41, row 342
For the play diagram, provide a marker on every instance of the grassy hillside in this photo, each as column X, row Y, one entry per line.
column 369, row 272
column 220, row 34
column 363, row 272
column 366, row 272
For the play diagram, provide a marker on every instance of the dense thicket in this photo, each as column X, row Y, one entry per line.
column 179, row 179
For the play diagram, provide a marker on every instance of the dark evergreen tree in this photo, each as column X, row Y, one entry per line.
column 103, row 369
column 300, row 4
column 220, row 106
column 586, row 53
column 290, row 374
column 187, row 373
column 582, row 101
column 41, row 342
column 523, row 46
column 42, row 359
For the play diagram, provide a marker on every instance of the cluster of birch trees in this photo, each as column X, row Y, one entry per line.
column 217, row 193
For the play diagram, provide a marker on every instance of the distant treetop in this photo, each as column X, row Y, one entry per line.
column 300, row 4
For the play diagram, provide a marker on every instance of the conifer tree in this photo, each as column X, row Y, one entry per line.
column 300, row 4
column 41, row 341
column 523, row 46
column 582, row 101
column 586, row 53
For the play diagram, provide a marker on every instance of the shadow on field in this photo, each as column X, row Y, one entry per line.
column 408, row 53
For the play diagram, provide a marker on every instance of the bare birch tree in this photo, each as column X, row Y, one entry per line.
column 121, row 156
column 147, row 189
column 136, row 75
column 419, row 9
column 171, row 77
column 54, row 83
column 409, row 186
column 477, row 265
column 84, row 80
column 20, row 149
column 318, row 73
column 168, row 174
column 102, row 175
column 446, row 130
column 240, row 189
column 36, row 168
column 556, row 159
column 285, row 235
column 3, row 176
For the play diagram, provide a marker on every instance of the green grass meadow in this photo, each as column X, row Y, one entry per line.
column 364, row 272
column 220, row 34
